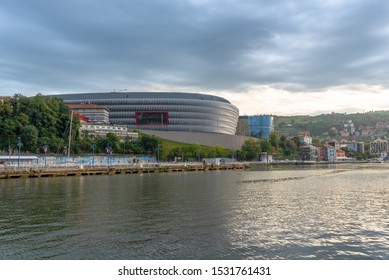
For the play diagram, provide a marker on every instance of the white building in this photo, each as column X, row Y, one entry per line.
column 94, row 113
column 101, row 130
column 305, row 139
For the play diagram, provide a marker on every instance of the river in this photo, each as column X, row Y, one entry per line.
column 337, row 212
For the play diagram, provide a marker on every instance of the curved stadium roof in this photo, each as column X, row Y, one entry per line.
column 148, row 95
column 179, row 111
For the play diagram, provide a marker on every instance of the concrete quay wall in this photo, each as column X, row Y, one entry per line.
column 14, row 173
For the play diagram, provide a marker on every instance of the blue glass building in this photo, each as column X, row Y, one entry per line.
column 260, row 126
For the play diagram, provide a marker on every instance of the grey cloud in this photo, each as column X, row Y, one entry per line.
column 218, row 45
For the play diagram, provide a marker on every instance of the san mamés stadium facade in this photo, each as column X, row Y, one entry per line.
column 168, row 111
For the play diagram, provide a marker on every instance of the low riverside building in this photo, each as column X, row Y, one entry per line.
column 356, row 147
column 322, row 153
column 329, row 153
column 309, row 153
column 9, row 160
column 101, row 130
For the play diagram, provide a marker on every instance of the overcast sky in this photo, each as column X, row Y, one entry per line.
column 266, row 57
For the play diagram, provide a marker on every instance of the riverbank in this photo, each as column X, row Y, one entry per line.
column 34, row 172
column 13, row 172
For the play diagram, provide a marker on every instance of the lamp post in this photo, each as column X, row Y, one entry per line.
column 109, row 152
column 37, row 152
column 19, row 144
column 93, row 154
column 199, row 148
column 149, row 153
column 158, row 150
column 45, row 146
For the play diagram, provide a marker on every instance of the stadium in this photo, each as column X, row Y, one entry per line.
column 164, row 111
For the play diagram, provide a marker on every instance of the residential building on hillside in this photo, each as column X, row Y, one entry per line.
column 334, row 143
column 340, row 154
column 329, row 153
column 309, row 153
column 305, row 139
column 358, row 147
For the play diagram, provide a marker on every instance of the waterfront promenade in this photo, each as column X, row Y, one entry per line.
column 138, row 168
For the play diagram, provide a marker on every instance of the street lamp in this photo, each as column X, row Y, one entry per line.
column 37, row 159
column 109, row 152
column 158, row 149
column 149, row 153
column 19, row 144
column 45, row 146
column 93, row 154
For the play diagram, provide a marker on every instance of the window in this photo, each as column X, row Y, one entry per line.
column 151, row 118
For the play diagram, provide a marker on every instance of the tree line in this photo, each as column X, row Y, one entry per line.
column 33, row 122
column 278, row 146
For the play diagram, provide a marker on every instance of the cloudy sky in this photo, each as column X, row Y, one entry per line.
column 267, row 57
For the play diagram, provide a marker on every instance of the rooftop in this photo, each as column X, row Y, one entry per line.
column 140, row 95
column 85, row 106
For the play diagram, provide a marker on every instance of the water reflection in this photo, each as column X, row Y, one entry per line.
column 276, row 214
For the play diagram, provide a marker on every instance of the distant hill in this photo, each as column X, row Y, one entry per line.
column 322, row 124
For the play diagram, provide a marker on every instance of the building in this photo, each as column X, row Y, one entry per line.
column 380, row 147
column 101, row 130
column 340, row 154
column 305, row 139
column 309, row 153
column 94, row 113
column 334, row 143
column 163, row 111
column 243, row 126
column 15, row 160
column 356, row 147
column 258, row 126
column 329, row 153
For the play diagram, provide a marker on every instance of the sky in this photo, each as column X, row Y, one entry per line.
column 302, row 57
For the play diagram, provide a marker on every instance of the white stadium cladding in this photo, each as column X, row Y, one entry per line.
column 166, row 111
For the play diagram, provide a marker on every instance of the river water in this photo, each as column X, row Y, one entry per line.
column 328, row 213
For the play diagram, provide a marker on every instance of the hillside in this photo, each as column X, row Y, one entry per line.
column 327, row 124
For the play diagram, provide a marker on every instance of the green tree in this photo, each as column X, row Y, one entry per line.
column 113, row 141
column 219, row 151
column 35, row 120
column 250, row 149
column 316, row 141
column 266, row 146
column 149, row 142
column 296, row 139
column 29, row 137
column 274, row 140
